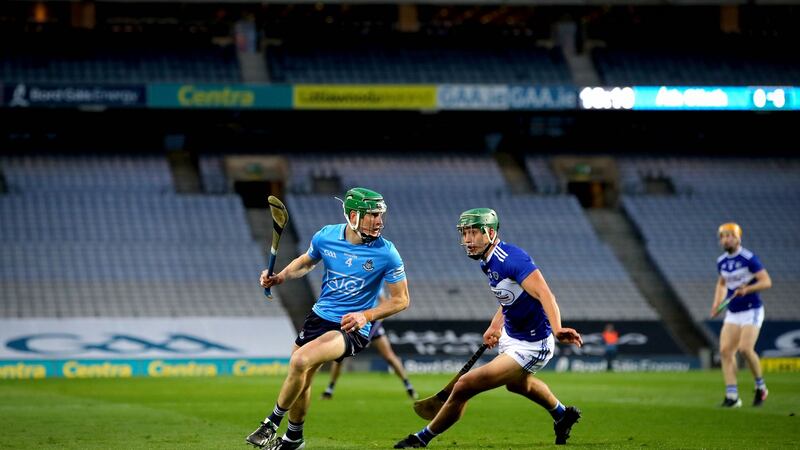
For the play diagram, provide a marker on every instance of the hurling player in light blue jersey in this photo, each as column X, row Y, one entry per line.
column 524, row 326
column 741, row 277
column 357, row 262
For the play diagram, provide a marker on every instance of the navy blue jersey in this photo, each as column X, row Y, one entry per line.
column 507, row 266
column 354, row 274
column 739, row 270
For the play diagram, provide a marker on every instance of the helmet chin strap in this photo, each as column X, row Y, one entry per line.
column 365, row 238
column 482, row 254
column 485, row 249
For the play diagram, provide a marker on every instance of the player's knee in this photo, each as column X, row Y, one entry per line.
column 299, row 363
column 516, row 388
column 746, row 351
column 727, row 352
column 464, row 389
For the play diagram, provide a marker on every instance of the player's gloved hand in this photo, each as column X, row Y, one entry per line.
column 353, row 321
column 568, row 336
column 491, row 337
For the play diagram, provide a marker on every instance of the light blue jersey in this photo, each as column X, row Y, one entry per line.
column 354, row 274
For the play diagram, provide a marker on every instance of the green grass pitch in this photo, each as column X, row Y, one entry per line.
column 369, row 410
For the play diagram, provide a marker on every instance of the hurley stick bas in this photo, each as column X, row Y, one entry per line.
column 427, row 408
column 280, row 217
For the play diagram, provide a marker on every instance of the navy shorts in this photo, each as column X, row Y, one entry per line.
column 315, row 326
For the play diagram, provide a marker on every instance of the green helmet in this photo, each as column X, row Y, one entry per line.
column 363, row 201
column 482, row 219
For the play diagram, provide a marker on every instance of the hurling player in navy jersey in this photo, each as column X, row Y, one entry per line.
column 741, row 277
column 524, row 327
column 358, row 261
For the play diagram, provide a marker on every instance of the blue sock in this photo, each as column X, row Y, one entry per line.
column 295, row 431
column 558, row 411
column 277, row 415
column 760, row 384
column 731, row 391
column 426, row 435
column 407, row 384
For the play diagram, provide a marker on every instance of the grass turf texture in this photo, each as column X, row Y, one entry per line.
column 369, row 410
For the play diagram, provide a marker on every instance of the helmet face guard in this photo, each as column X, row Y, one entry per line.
column 364, row 201
column 482, row 219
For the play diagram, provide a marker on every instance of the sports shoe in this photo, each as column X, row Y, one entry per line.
column 264, row 436
column 411, row 441
column 728, row 403
column 564, row 426
column 284, row 444
column 327, row 395
column 761, row 395
column 412, row 393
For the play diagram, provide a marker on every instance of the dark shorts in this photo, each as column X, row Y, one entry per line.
column 315, row 326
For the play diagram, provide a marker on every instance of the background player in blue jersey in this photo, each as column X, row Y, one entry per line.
column 524, row 326
column 741, row 276
column 377, row 339
column 357, row 262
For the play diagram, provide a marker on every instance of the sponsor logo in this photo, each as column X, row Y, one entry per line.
column 105, row 369
column 21, row 370
column 191, row 95
column 787, row 344
column 243, row 367
column 20, row 96
column 504, row 296
column 118, row 344
column 341, row 282
column 24, row 95
column 364, row 97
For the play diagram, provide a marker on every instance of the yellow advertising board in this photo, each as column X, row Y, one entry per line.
column 325, row 96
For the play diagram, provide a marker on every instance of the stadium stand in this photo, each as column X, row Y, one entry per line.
column 623, row 67
column 715, row 46
column 424, row 61
column 433, row 44
column 587, row 278
column 761, row 195
column 116, row 58
column 543, row 177
column 105, row 236
column 411, row 174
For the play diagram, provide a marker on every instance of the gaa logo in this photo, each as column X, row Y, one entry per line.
column 341, row 282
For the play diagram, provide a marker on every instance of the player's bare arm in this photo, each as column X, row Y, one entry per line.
column 719, row 295
column 763, row 281
column 535, row 285
column 492, row 335
column 299, row 267
column 397, row 301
